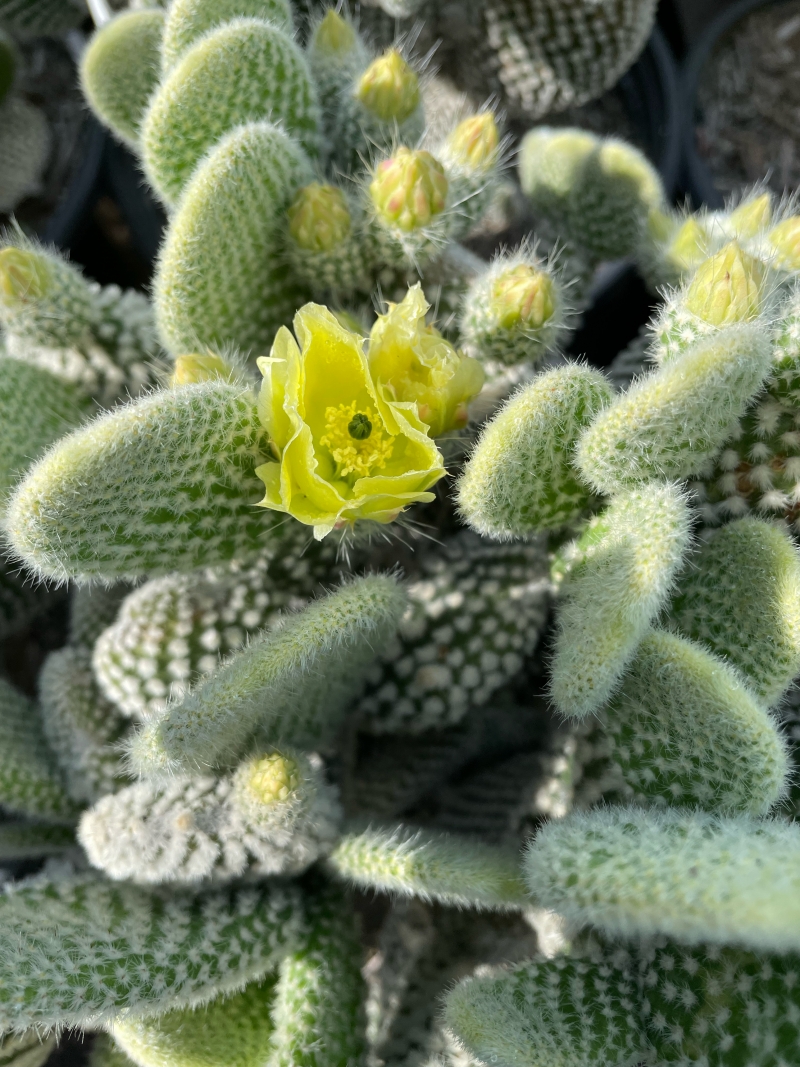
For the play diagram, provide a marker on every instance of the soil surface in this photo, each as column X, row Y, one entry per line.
column 749, row 102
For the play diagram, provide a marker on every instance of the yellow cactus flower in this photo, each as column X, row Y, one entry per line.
column 193, row 367
column 389, row 88
column 727, row 287
column 270, row 779
column 785, row 239
column 413, row 362
column 345, row 449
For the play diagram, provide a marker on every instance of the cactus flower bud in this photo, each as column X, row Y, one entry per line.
column 319, row 218
column 389, row 88
column 24, row 276
column 727, row 287
column 785, row 239
column 409, row 189
column 269, row 780
column 474, row 142
column 334, row 35
column 752, row 216
column 415, row 363
column 193, row 367
column 523, row 297
column 688, row 246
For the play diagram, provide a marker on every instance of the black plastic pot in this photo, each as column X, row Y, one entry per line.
column 697, row 178
column 78, row 196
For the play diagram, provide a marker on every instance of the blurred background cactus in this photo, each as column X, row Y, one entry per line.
column 420, row 694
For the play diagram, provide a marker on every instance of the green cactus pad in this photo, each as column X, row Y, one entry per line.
column 318, row 1011
column 681, row 720
column 452, row 870
column 162, row 483
column 670, row 423
column 120, row 69
column 292, row 686
column 188, row 20
column 695, row 877
column 613, row 595
column 244, row 71
column 234, row 1029
column 741, row 598
column 234, row 205
column 520, row 479
column 79, row 949
column 30, row 783
column 573, row 1012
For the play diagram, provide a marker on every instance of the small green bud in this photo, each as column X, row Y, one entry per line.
column 474, row 142
column 752, row 216
column 523, row 296
column 389, row 88
column 409, row 189
column 319, row 218
column 334, row 35
column 727, row 287
column 688, row 246
column 24, row 276
column 192, row 368
column 785, row 239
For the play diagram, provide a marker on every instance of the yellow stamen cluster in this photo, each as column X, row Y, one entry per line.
column 357, row 440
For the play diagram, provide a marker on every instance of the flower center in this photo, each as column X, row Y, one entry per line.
column 359, row 426
column 357, row 440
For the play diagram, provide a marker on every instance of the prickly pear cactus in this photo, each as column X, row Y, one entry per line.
column 311, row 568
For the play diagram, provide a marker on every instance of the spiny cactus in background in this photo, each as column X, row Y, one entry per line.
column 537, row 57
column 101, row 340
column 26, row 1050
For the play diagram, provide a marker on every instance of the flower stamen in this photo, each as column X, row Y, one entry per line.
column 357, row 440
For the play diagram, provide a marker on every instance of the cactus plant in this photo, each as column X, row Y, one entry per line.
column 290, row 681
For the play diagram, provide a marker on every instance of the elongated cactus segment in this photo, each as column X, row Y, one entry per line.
column 274, row 816
column 120, row 69
column 741, row 599
column 228, row 78
column 318, row 1011
column 691, row 876
column 292, row 686
column 188, row 20
column 681, row 720
column 410, row 862
column 233, row 1029
column 163, row 482
column 153, row 952
column 670, row 423
column 28, row 1049
column 520, row 479
column 30, row 783
column 575, row 1012
column 612, row 597
column 234, row 204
